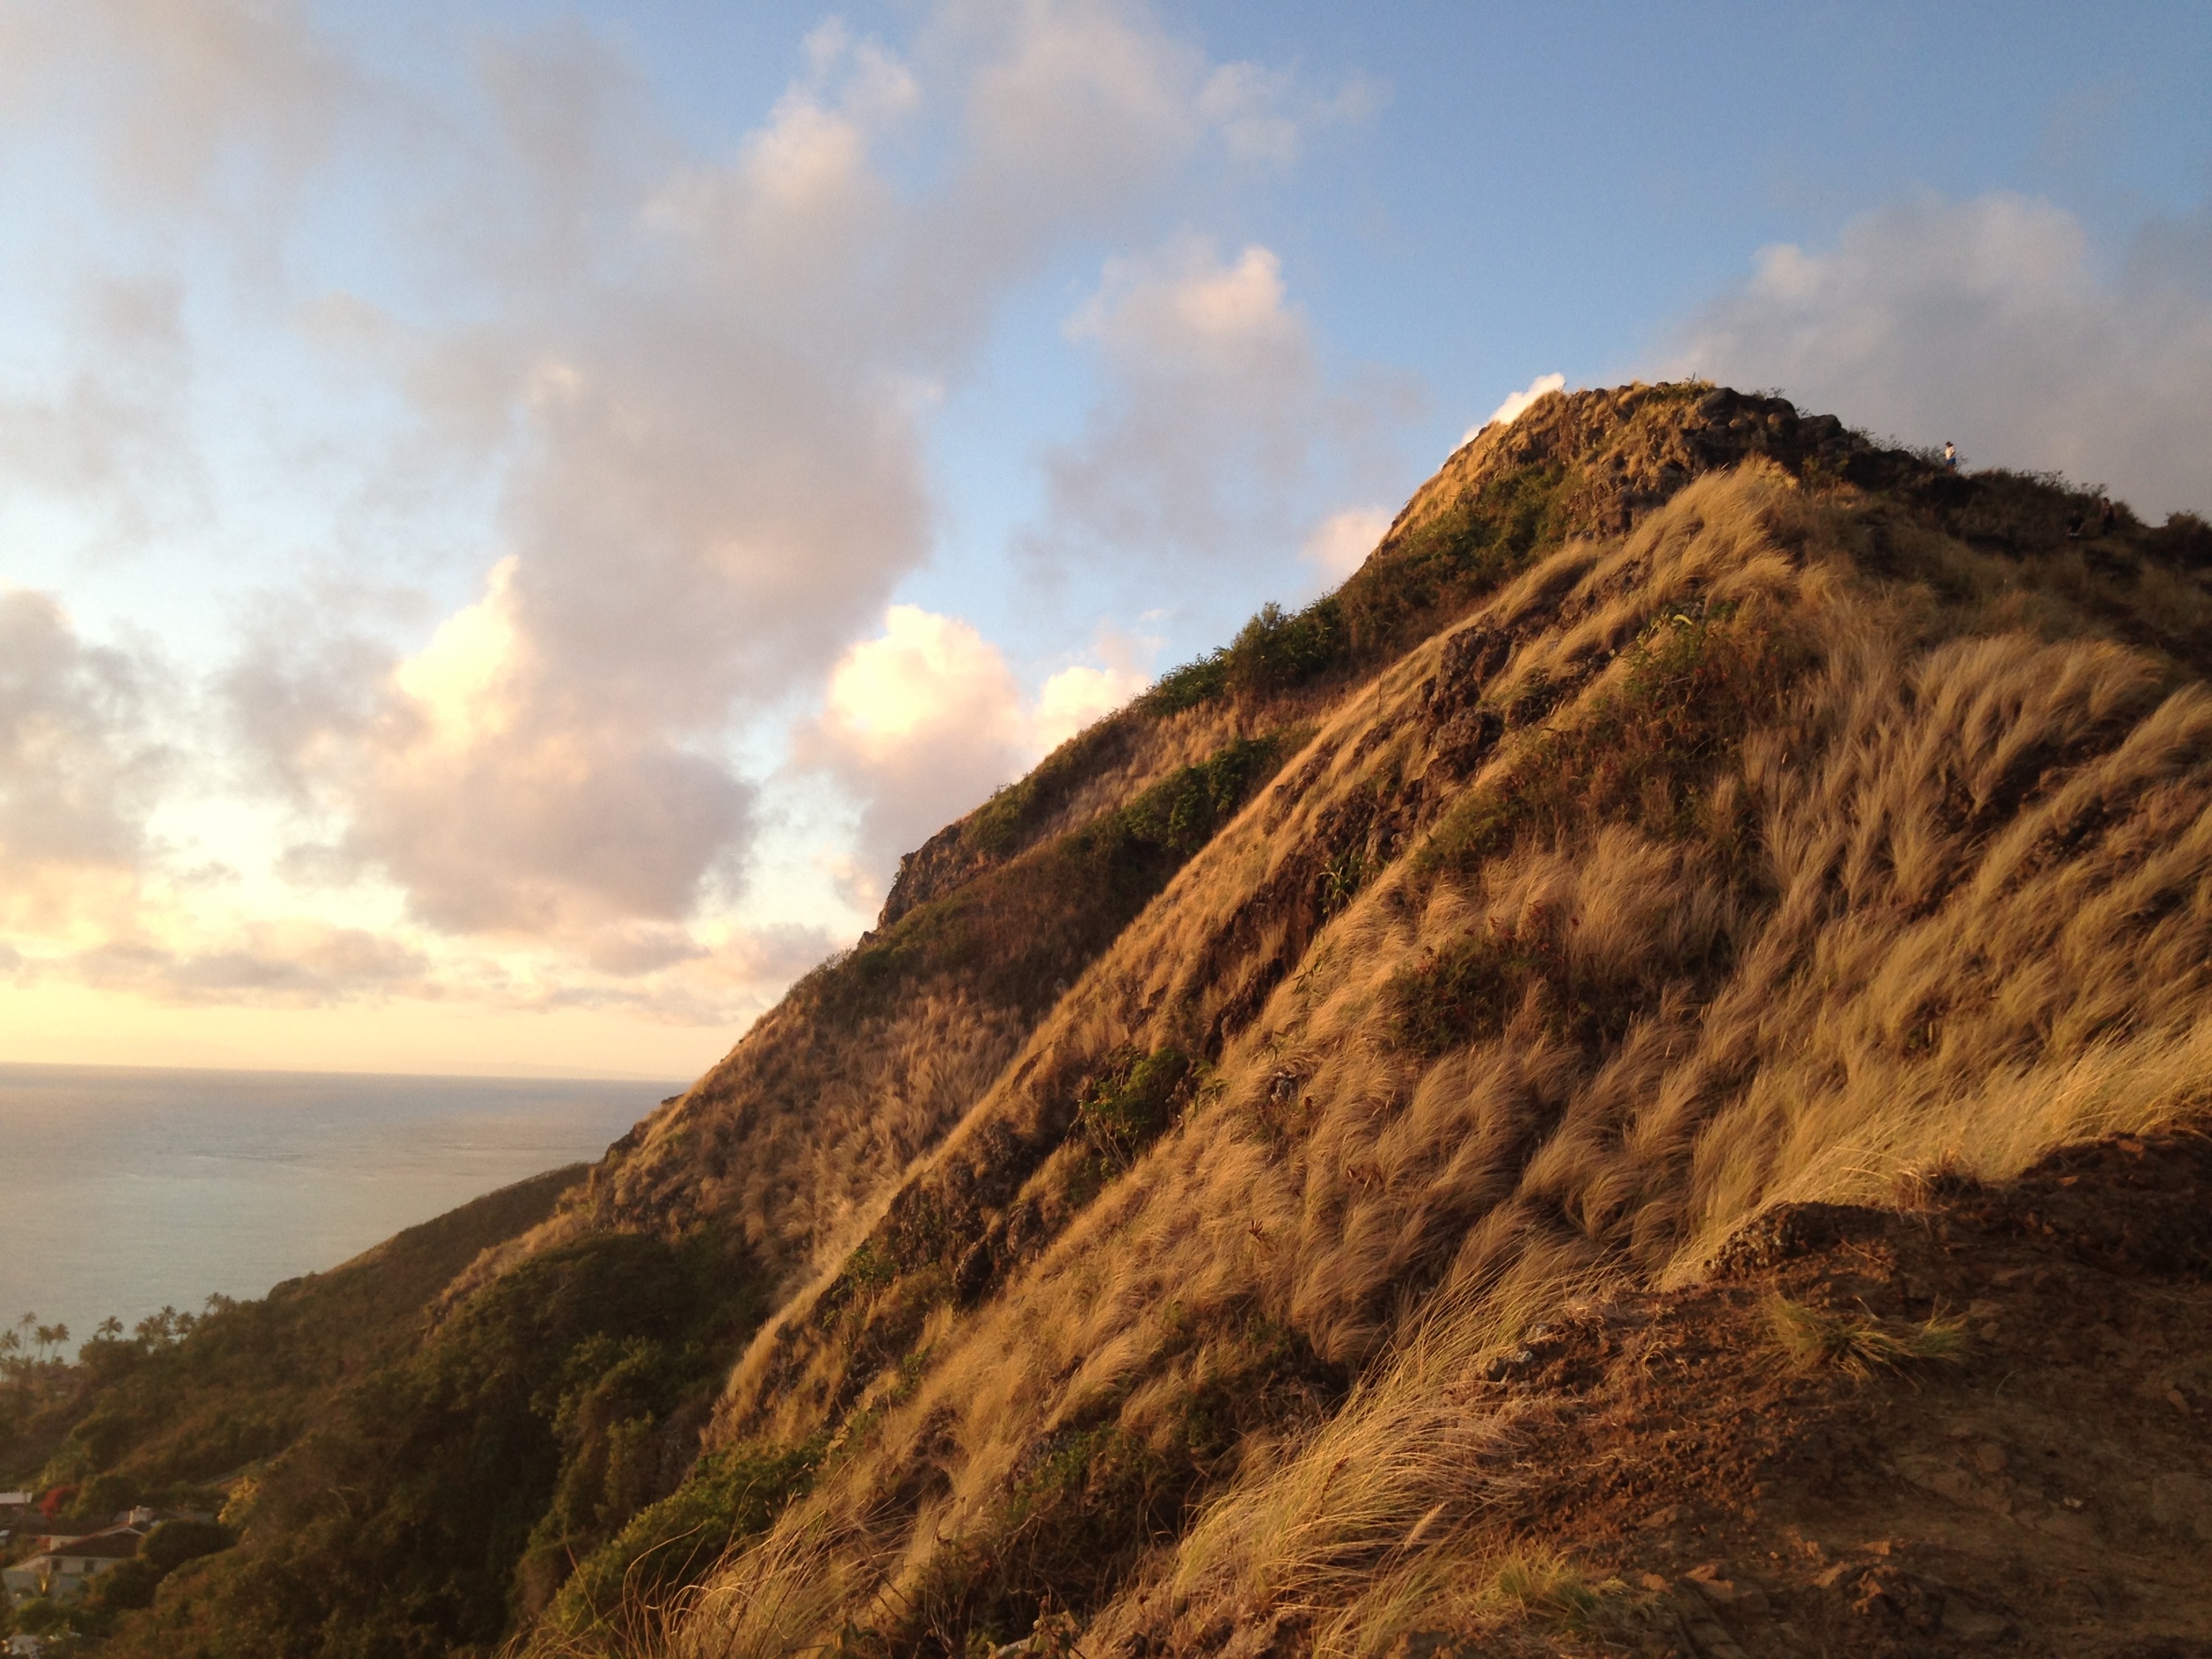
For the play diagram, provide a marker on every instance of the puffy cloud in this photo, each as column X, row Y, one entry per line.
column 695, row 388
column 924, row 721
column 80, row 768
column 1221, row 434
column 1080, row 694
column 1074, row 107
column 1515, row 406
column 1214, row 400
column 717, row 477
column 499, row 793
column 181, row 91
column 1341, row 543
column 1988, row 322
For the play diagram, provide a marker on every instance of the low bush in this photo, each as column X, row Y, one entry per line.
column 1128, row 1108
column 1816, row 1339
column 2184, row 539
column 1024, row 930
column 1468, row 992
column 730, row 1495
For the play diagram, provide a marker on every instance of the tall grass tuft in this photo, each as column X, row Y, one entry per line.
column 1859, row 1344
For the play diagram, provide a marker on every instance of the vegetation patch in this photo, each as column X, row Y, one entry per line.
column 1012, row 817
column 1430, row 575
column 1130, row 1105
column 1858, row 1344
column 1544, row 1584
column 153, row 1415
column 1089, row 1500
column 451, row 1492
column 617, row 1595
column 1024, row 930
column 1468, row 992
column 1648, row 752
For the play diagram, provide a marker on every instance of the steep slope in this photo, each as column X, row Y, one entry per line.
column 1783, row 843
column 1690, row 809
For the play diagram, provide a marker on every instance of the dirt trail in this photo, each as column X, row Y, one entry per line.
column 2050, row 1492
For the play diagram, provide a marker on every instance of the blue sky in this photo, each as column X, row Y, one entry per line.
column 512, row 517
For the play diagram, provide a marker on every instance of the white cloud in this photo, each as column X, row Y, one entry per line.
column 926, row 674
column 185, row 97
column 1214, row 400
column 81, row 771
column 1080, row 694
column 719, row 477
column 1219, row 436
column 1988, row 322
column 696, row 386
column 1341, row 543
column 1516, row 405
column 924, row 721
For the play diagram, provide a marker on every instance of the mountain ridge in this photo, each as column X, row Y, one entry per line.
column 1692, row 808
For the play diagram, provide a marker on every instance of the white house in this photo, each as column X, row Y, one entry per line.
column 67, row 1567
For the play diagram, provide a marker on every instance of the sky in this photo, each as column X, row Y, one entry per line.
column 513, row 517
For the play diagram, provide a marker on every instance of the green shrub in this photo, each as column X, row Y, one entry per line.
column 1467, row 992
column 1275, row 651
column 1124, row 1111
column 730, row 1495
column 1024, row 930
column 128, row 1584
column 2184, row 539
column 400, row 1523
column 1180, row 814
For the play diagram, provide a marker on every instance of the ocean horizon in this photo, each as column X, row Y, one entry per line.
column 131, row 1189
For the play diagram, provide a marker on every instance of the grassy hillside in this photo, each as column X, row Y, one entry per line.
column 1808, row 833
column 1691, row 809
column 1793, row 841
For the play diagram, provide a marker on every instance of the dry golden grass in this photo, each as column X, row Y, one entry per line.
column 1858, row 1344
column 1943, row 899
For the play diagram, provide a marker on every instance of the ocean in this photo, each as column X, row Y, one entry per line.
column 124, row 1190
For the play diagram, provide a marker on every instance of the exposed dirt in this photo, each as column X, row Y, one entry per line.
column 2050, row 1491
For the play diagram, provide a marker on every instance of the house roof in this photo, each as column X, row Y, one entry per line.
column 110, row 1543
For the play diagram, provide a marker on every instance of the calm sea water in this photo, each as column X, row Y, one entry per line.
column 124, row 1189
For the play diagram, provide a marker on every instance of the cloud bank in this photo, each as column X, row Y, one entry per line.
column 925, row 719
column 81, row 771
column 1989, row 322
column 693, row 389
column 1220, row 431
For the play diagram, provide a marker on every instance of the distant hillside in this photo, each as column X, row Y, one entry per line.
column 1691, row 811
column 158, row 1418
